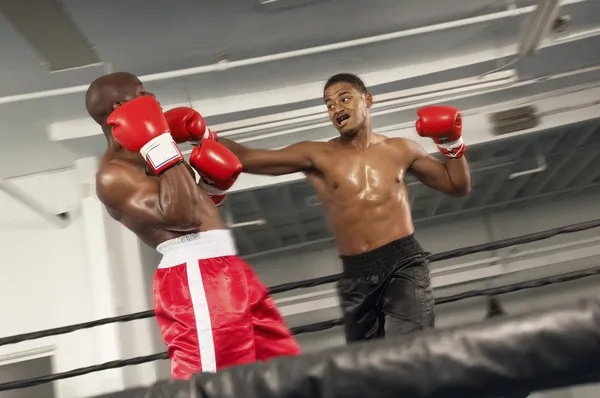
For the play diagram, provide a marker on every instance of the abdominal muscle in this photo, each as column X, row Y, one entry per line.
column 362, row 223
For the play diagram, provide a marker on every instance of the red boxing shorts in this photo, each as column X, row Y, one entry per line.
column 212, row 309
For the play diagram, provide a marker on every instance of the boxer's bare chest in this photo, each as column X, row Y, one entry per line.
column 365, row 175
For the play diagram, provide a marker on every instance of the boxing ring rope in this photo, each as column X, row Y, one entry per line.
column 528, row 238
column 285, row 287
column 315, row 327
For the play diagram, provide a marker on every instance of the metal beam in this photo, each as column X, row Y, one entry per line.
column 510, row 193
column 500, row 176
column 273, row 238
column 436, row 204
column 492, row 189
column 571, row 174
column 577, row 142
column 458, row 205
column 293, row 215
column 574, row 191
column 590, row 175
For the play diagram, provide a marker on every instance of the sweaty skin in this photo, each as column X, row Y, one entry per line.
column 359, row 176
column 155, row 208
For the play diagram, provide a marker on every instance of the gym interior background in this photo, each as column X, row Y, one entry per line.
column 255, row 69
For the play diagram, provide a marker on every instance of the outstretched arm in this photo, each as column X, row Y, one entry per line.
column 291, row 159
column 172, row 201
column 451, row 176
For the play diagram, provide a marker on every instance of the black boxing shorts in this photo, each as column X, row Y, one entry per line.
column 386, row 291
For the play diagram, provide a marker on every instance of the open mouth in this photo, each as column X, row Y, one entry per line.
column 341, row 120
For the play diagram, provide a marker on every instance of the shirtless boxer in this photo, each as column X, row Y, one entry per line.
column 212, row 309
column 360, row 180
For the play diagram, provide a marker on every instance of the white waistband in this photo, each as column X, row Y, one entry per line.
column 199, row 246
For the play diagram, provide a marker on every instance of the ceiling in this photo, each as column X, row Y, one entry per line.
column 153, row 37
column 443, row 40
column 149, row 37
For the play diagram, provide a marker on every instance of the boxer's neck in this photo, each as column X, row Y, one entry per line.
column 363, row 137
column 111, row 143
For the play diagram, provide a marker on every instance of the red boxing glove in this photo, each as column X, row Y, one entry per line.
column 443, row 124
column 140, row 126
column 187, row 124
column 218, row 167
column 218, row 199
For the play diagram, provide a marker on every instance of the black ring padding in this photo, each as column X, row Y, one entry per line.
column 528, row 238
column 498, row 357
column 315, row 327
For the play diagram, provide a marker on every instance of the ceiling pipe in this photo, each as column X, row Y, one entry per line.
column 538, row 26
column 225, row 65
column 402, row 126
column 57, row 220
column 401, row 97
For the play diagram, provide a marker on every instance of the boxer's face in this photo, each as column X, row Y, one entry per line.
column 348, row 108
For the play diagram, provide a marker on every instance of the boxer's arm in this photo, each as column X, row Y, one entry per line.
column 172, row 201
column 451, row 176
column 291, row 159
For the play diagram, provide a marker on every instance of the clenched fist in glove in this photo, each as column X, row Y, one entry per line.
column 140, row 126
column 443, row 124
column 218, row 167
column 187, row 124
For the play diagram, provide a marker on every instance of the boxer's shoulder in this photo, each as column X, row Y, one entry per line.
column 313, row 149
column 404, row 145
column 317, row 146
column 400, row 142
column 408, row 150
column 113, row 178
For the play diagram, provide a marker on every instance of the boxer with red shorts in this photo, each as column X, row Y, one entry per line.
column 211, row 308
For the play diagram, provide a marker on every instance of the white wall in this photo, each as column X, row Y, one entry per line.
column 132, row 294
column 150, row 259
column 45, row 280
column 56, row 277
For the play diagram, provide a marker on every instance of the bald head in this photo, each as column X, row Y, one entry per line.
column 110, row 91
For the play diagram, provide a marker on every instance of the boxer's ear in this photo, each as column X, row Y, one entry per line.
column 369, row 100
column 117, row 104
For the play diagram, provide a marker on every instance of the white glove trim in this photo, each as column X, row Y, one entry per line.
column 208, row 135
column 210, row 189
column 452, row 145
column 161, row 151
